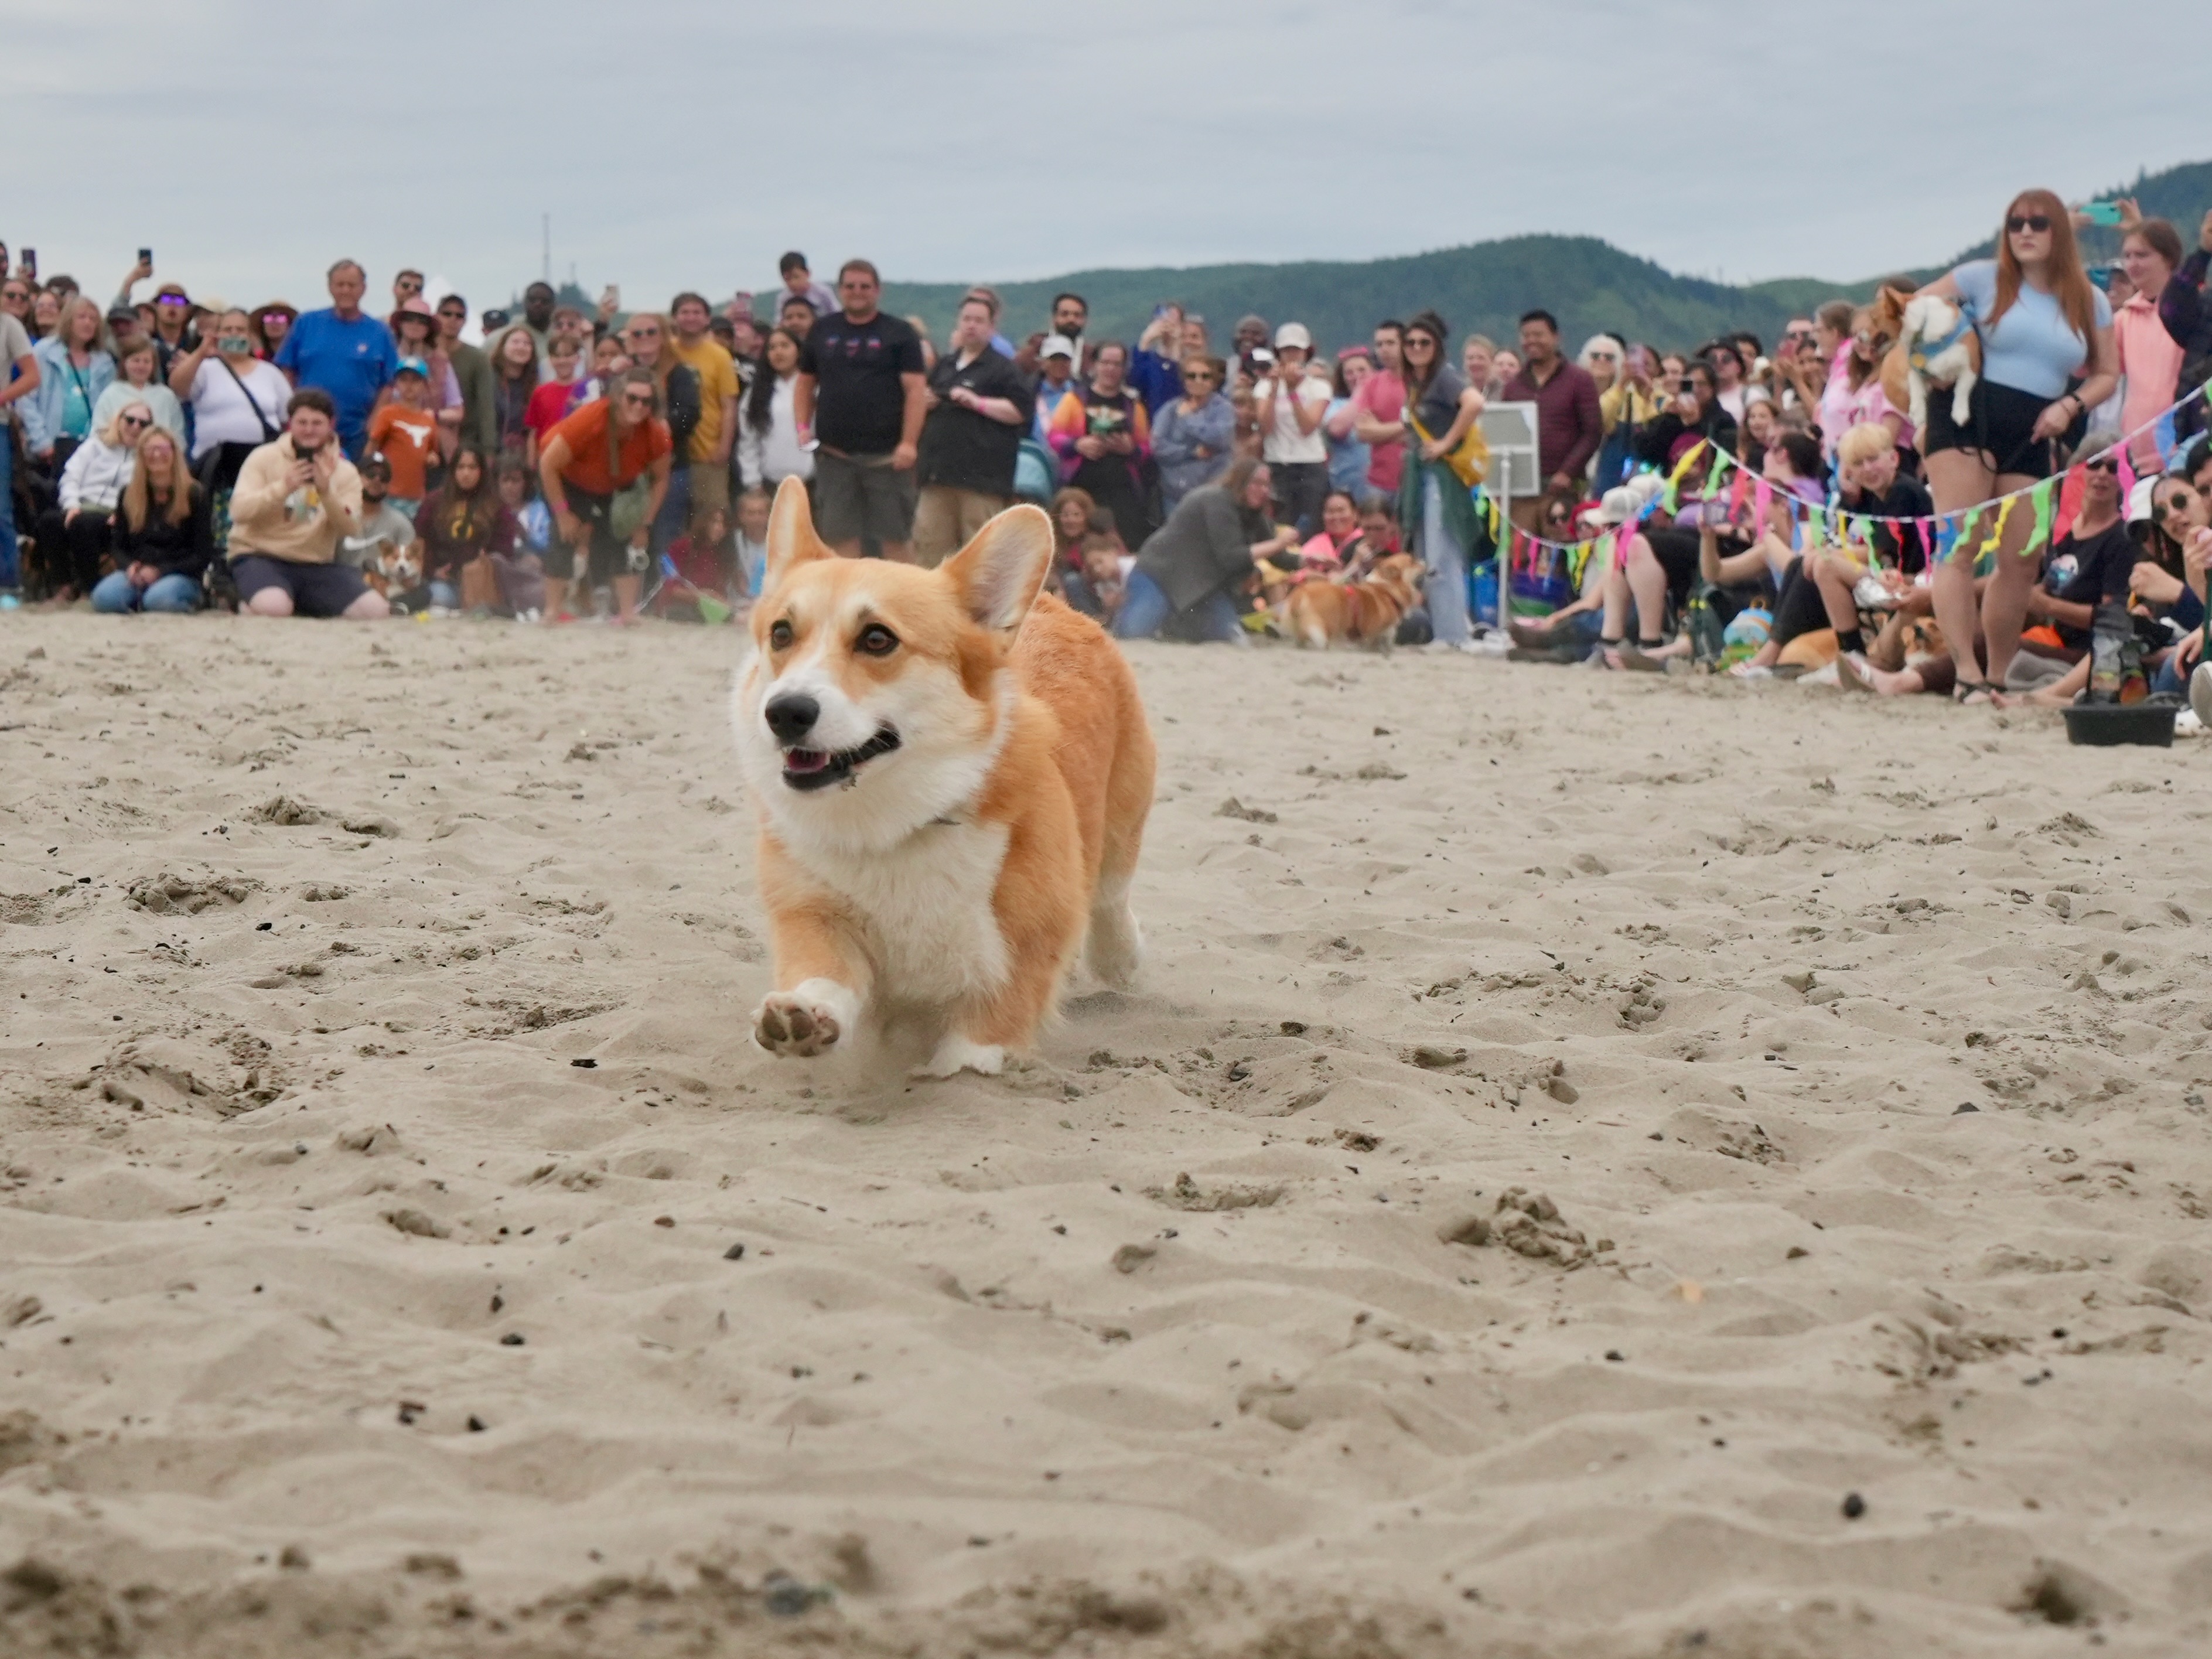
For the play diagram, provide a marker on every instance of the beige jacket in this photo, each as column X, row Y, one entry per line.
column 275, row 523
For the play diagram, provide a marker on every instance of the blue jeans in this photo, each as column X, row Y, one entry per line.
column 113, row 596
column 10, row 573
column 445, row 595
column 675, row 511
column 1445, row 591
column 1145, row 607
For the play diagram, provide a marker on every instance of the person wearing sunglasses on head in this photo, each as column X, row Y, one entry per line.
column 74, row 533
column 2042, row 323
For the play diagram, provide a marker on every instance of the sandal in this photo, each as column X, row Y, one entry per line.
column 1973, row 694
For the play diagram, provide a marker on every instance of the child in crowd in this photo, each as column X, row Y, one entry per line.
column 522, row 571
column 1104, row 558
column 550, row 403
column 701, row 569
column 753, row 509
column 406, row 430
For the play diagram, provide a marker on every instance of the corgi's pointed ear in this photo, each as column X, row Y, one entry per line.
column 999, row 573
column 791, row 538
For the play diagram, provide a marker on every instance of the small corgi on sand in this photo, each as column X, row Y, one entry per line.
column 953, row 774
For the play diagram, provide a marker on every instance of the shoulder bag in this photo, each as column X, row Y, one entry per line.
column 626, row 506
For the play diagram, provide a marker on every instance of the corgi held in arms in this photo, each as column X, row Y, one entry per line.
column 1936, row 345
column 952, row 773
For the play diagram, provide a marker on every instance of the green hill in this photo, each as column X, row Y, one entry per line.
column 1590, row 284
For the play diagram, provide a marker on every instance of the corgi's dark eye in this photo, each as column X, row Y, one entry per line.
column 779, row 636
column 876, row 640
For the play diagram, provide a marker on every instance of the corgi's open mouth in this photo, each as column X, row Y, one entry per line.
column 814, row 769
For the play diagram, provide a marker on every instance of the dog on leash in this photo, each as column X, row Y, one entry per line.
column 953, row 774
column 1362, row 612
column 1936, row 345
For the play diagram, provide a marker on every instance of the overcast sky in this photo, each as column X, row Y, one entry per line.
column 684, row 144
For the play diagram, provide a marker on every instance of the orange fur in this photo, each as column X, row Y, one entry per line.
column 1362, row 612
column 987, row 677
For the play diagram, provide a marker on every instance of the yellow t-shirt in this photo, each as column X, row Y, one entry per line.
column 718, row 379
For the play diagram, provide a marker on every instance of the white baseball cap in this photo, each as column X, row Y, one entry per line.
column 1293, row 334
column 1057, row 345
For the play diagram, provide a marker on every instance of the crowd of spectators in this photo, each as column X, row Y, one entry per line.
column 169, row 452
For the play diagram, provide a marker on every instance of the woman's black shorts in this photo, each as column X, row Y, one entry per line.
column 2001, row 423
column 606, row 558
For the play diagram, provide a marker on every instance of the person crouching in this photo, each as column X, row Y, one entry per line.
column 296, row 498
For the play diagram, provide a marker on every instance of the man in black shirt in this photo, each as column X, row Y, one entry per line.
column 978, row 411
column 860, row 386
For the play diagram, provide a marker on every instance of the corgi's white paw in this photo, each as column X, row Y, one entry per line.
column 805, row 1022
column 957, row 1053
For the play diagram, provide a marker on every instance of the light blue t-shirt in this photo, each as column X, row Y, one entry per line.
column 2033, row 348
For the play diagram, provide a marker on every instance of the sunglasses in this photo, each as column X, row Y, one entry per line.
column 643, row 399
column 2106, row 464
column 645, row 333
column 134, row 421
column 1421, row 340
column 2021, row 222
column 1200, row 375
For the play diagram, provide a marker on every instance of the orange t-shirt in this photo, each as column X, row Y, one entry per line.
column 408, row 437
column 586, row 433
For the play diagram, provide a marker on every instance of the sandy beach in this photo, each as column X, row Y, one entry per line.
column 1595, row 1165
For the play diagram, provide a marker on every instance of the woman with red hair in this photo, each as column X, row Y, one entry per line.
column 2042, row 323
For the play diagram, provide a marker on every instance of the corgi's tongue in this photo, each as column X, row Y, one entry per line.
column 803, row 761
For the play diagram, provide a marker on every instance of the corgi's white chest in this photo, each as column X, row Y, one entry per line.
column 925, row 906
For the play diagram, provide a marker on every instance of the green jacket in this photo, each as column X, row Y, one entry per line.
column 479, row 396
column 1461, row 523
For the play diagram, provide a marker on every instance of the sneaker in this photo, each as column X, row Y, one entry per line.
column 1751, row 671
column 2200, row 693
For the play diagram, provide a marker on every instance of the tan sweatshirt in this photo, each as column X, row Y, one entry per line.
column 276, row 523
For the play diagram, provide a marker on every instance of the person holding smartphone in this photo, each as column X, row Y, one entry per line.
column 1693, row 412
column 297, row 498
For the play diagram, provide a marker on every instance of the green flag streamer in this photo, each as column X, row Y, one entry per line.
column 2045, row 496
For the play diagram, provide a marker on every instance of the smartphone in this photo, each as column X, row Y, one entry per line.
column 145, row 256
column 2102, row 213
column 30, row 262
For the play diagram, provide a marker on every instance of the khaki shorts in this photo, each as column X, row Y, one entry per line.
column 947, row 518
column 858, row 496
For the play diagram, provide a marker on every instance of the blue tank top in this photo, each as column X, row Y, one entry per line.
column 2033, row 348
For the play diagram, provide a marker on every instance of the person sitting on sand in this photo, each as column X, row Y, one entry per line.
column 1569, row 633
column 2178, row 515
column 163, row 536
column 2180, row 512
column 463, row 522
column 296, row 499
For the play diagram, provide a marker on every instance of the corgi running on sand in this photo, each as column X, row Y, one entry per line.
column 952, row 773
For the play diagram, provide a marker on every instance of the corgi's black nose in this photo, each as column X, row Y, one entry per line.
column 792, row 716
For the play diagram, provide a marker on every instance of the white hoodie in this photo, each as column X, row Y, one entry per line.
column 96, row 475
column 766, row 458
